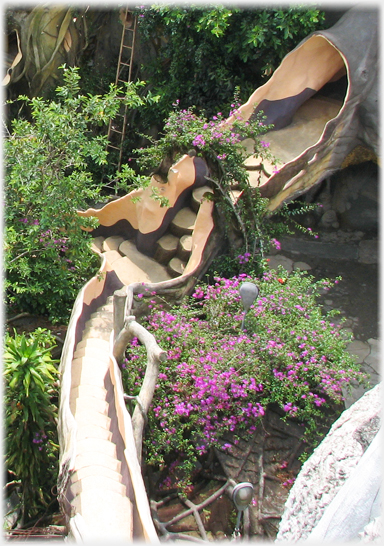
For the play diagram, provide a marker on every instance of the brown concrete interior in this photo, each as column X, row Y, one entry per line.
column 309, row 67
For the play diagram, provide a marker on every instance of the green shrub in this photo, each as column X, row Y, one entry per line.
column 47, row 255
column 31, row 445
column 204, row 52
column 219, row 377
column 221, row 146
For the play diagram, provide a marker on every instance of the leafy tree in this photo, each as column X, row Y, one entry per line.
column 204, row 53
column 47, row 179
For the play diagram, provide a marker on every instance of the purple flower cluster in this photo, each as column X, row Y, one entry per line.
column 276, row 244
column 218, row 377
column 32, row 222
column 199, row 141
column 244, row 258
column 39, row 438
column 61, row 243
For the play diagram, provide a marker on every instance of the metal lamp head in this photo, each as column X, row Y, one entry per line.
column 242, row 495
column 248, row 293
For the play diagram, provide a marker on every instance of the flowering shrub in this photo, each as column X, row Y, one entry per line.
column 47, row 179
column 220, row 378
column 218, row 143
column 221, row 146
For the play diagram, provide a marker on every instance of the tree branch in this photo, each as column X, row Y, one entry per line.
column 155, row 355
column 230, row 202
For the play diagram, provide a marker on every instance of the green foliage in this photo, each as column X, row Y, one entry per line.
column 261, row 229
column 47, row 179
column 219, row 143
column 219, row 377
column 221, row 146
column 31, row 447
column 204, row 52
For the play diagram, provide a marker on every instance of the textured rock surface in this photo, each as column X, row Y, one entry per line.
column 330, row 465
column 357, row 502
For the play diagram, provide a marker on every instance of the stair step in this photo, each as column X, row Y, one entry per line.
column 139, row 269
column 96, row 333
column 103, row 322
column 198, row 196
column 176, row 267
column 92, row 352
column 112, row 256
column 102, row 344
column 99, row 364
column 105, row 313
column 184, row 222
column 94, row 458
column 97, row 244
column 166, row 248
column 89, row 483
column 93, row 431
column 112, row 243
column 107, row 514
column 86, row 371
column 96, row 445
column 89, row 390
column 90, row 417
column 96, row 470
column 89, row 402
column 184, row 248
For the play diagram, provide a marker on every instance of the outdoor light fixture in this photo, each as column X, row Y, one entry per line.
column 242, row 496
column 248, row 293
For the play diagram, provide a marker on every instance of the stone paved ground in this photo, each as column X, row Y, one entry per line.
column 354, row 257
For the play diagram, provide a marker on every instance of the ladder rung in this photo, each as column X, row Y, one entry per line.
column 127, row 46
column 117, row 131
column 114, row 147
column 125, row 64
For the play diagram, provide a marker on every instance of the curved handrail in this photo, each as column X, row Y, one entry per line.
column 85, row 355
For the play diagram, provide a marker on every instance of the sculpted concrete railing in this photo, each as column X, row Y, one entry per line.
column 101, row 489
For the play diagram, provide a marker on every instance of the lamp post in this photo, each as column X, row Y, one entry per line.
column 248, row 293
column 242, row 496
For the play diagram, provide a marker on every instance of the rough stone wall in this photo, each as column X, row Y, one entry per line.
column 330, row 465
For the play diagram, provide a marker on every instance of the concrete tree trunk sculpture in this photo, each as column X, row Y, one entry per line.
column 161, row 252
column 314, row 135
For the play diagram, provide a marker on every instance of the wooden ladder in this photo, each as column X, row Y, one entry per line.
column 116, row 129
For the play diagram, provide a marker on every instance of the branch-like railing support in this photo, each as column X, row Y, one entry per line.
column 125, row 329
column 119, row 299
column 194, row 509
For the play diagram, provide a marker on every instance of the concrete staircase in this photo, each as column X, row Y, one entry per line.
column 103, row 488
column 96, row 485
column 172, row 253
